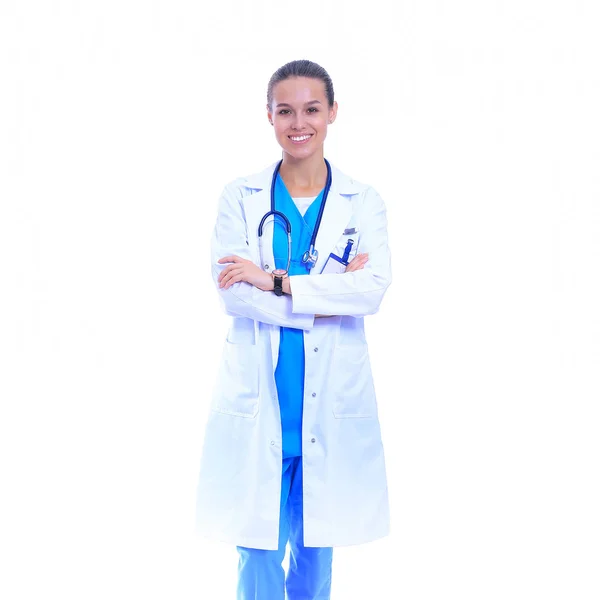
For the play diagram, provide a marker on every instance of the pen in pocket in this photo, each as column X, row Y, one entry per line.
column 347, row 251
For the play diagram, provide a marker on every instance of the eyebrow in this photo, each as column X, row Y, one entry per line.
column 284, row 104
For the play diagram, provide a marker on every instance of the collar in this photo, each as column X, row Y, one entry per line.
column 342, row 182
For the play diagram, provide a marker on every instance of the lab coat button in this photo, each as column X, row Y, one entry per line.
column 272, row 443
column 316, row 349
column 266, row 267
column 314, row 394
column 312, row 440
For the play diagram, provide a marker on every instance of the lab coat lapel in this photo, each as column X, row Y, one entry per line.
column 256, row 204
column 336, row 216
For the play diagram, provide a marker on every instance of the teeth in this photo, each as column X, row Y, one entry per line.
column 299, row 139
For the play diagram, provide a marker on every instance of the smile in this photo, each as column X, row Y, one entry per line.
column 300, row 139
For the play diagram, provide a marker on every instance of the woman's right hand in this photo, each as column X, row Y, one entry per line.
column 357, row 263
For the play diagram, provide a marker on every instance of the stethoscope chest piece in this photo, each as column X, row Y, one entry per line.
column 310, row 257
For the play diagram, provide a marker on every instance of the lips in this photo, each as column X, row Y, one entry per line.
column 301, row 141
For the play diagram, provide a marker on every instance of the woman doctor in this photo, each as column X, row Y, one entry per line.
column 292, row 450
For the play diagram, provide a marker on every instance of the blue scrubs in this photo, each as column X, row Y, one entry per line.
column 289, row 374
column 260, row 573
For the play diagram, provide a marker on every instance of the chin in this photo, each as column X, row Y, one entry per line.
column 300, row 152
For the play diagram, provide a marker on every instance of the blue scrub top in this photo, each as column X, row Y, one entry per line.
column 289, row 374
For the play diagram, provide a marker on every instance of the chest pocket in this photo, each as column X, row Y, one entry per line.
column 344, row 240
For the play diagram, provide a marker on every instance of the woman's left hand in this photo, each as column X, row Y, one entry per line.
column 243, row 270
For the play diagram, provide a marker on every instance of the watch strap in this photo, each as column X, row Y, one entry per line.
column 278, row 285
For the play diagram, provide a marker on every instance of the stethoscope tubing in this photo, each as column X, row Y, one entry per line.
column 311, row 256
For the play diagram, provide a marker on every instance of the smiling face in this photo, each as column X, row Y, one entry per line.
column 300, row 115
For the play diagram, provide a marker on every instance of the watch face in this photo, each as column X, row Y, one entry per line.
column 279, row 272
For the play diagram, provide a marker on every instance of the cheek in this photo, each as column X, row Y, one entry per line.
column 280, row 130
column 320, row 123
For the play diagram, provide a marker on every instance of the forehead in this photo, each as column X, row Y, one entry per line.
column 299, row 90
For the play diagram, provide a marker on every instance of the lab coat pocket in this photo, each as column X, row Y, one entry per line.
column 353, row 390
column 241, row 331
column 342, row 244
column 237, row 390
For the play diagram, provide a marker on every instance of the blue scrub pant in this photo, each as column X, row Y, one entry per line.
column 260, row 572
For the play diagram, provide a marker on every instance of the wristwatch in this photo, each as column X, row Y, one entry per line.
column 278, row 276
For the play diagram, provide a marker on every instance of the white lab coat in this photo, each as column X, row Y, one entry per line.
column 345, row 487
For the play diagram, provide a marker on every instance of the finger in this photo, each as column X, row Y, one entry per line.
column 226, row 271
column 359, row 257
column 229, row 268
column 234, row 279
column 357, row 261
column 354, row 268
column 229, row 276
column 232, row 271
column 232, row 258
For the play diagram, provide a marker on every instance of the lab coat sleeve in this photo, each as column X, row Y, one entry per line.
column 242, row 299
column 357, row 293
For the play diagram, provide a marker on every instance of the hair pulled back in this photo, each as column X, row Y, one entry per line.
column 301, row 68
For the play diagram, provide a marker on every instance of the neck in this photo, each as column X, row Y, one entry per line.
column 310, row 172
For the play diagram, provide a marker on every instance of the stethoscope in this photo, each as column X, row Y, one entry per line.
column 310, row 257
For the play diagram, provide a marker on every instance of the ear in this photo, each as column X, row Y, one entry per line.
column 269, row 114
column 333, row 112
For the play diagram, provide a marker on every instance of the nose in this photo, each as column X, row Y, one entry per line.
column 298, row 122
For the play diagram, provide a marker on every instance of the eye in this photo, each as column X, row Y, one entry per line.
column 314, row 108
column 283, row 110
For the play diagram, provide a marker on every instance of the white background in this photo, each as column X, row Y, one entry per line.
column 478, row 123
